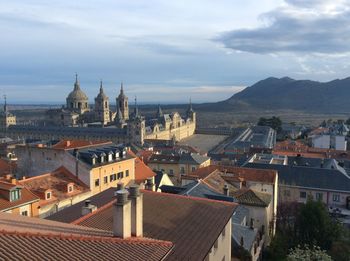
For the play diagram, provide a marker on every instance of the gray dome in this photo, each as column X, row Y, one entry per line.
column 77, row 94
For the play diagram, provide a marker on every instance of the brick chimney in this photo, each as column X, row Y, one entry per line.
column 136, row 211
column 122, row 215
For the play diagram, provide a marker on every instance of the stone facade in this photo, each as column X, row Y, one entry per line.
column 72, row 121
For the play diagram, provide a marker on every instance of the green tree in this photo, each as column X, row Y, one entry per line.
column 274, row 122
column 315, row 226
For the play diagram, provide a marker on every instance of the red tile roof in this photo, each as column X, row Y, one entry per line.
column 192, row 224
column 45, row 240
column 27, row 197
column 142, row 171
column 250, row 174
column 77, row 144
column 57, row 182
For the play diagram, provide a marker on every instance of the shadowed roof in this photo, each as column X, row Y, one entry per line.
column 191, row 224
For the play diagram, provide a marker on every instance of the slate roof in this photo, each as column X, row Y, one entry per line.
column 305, row 177
column 167, row 217
column 249, row 235
column 240, row 213
column 192, row 158
column 252, row 198
column 24, row 238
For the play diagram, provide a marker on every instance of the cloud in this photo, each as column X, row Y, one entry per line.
column 313, row 26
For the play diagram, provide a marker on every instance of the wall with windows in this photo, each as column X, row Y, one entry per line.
column 296, row 194
column 106, row 176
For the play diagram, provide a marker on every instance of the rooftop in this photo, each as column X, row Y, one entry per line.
column 77, row 144
column 191, row 224
column 44, row 240
column 142, row 171
column 56, row 181
column 259, row 175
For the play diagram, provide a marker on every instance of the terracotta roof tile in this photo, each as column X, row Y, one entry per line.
column 26, row 197
column 45, row 240
column 55, row 181
column 142, row 171
column 261, row 175
column 77, row 144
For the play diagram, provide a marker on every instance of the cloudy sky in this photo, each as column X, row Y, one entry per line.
column 167, row 51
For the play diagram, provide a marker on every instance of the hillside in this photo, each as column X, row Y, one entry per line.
column 289, row 94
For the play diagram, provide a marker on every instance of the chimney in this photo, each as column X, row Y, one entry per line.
column 121, row 215
column 87, row 208
column 14, row 181
column 149, row 184
column 136, row 211
column 120, row 186
column 251, row 223
column 226, row 191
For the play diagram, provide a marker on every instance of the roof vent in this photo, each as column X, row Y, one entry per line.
column 88, row 208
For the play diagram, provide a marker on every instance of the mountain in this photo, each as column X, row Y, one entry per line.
column 286, row 93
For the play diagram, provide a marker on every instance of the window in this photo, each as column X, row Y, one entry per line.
column 24, row 213
column 287, row 193
column 319, row 196
column 105, row 179
column 336, row 197
column 224, row 232
column 112, row 177
column 48, row 195
column 97, row 182
column 15, row 195
column 70, row 188
column 127, row 173
column 302, row 194
column 182, row 170
column 120, row 175
column 193, row 169
column 171, row 172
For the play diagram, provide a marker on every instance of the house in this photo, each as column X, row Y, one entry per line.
column 17, row 199
column 186, row 222
column 99, row 165
column 56, row 190
column 300, row 178
column 255, row 189
column 178, row 164
column 247, row 241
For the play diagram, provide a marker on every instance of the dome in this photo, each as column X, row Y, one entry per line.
column 101, row 95
column 77, row 94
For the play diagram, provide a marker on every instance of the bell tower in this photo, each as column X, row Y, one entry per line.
column 102, row 107
column 123, row 104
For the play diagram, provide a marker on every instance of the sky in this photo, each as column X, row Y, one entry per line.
column 167, row 51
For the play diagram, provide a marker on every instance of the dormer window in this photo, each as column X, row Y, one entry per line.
column 93, row 161
column 48, row 195
column 15, row 195
column 102, row 159
column 110, row 157
column 70, row 188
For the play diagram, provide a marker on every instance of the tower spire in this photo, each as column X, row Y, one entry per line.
column 136, row 110
column 159, row 112
column 101, row 86
column 76, row 84
column 121, row 89
column 5, row 103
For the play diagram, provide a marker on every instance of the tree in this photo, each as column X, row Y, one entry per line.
column 311, row 254
column 315, row 226
column 274, row 122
